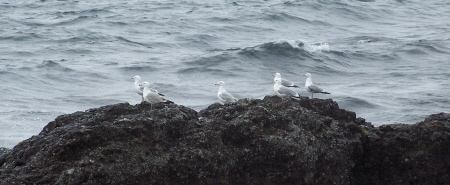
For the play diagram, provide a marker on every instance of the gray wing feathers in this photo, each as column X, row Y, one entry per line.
column 226, row 96
column 287, row 91
column 157, row 92
column 315, row 89
column 286, row 82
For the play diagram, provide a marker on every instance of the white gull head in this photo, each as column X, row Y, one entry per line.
column 276, row 76
column 136, row 78
column 220, row 83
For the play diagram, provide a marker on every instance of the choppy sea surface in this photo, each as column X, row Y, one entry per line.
column 387, row 60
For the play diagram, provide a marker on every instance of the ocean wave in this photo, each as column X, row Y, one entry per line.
column 370, row 39
column 214, row 60
column 422, row 47
column 356, row 103
column 286, row 17
column 86, row 12
column 21, row 36
column 212, row 71
column 87, row 100
column 292, row 50
column 411, row 51
column 215, row 64
column 76, row 20
column 198, row 40
column 80, row 50
column 276, row 48
column 138, row 69
column 22, row 53
column 276, row 55
column 222, row 19
column 427, row 46
column 63, row 18
column 318, row 47
column 54, row 70
column 128, row 41
column 117, row 23
column 85, row 36
column 52, row 65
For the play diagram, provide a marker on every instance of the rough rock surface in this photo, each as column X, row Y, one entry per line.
column 270, row 141
column 3, row 151
column 407, row 154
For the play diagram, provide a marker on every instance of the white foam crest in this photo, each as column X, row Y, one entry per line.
column 324, row 46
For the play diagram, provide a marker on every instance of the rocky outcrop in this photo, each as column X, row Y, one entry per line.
column 3, row 151
column 406, row 154
column 270, row 141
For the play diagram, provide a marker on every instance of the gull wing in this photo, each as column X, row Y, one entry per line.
column 287, row 83
column 315, row 89
column 288, row 92
column 156, row 92
column 227, row 97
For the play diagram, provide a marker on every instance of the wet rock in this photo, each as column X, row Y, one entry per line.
column 269, row 141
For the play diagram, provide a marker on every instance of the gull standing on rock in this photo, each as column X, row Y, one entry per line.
column 283, row 91
column 151, row 95
column 284, row 82
column 310, row 87
column 223, row 95
column 138, row 86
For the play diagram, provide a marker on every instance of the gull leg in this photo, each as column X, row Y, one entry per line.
column 142, row 99
column 312, row 95
column 165, row 110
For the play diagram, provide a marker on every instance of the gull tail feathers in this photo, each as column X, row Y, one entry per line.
column 166, row 101
column 295, row 97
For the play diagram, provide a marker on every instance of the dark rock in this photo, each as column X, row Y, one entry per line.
column 279, row 141
column 406, row 154
column 3, row 151
column 270, row 141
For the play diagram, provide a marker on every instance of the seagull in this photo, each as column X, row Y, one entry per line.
column 310, row 87
column 138, row 85
column 284, row 82
column 223, row 95
column 152, row 95
column 282, row 91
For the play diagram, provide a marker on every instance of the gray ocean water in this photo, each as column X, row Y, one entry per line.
column 387, row 60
